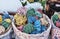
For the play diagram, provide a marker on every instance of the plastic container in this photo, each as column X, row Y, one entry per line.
column 21, row 35
column 55, row 31
column 7, row 34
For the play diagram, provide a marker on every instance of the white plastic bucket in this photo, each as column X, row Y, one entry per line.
column 21, row 35
column 55, row 31
column 7, row 35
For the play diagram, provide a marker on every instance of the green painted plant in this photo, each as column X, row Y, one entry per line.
column 43, row 2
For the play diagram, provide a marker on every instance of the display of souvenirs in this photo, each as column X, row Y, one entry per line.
column 31, row 22
column 5, row 22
